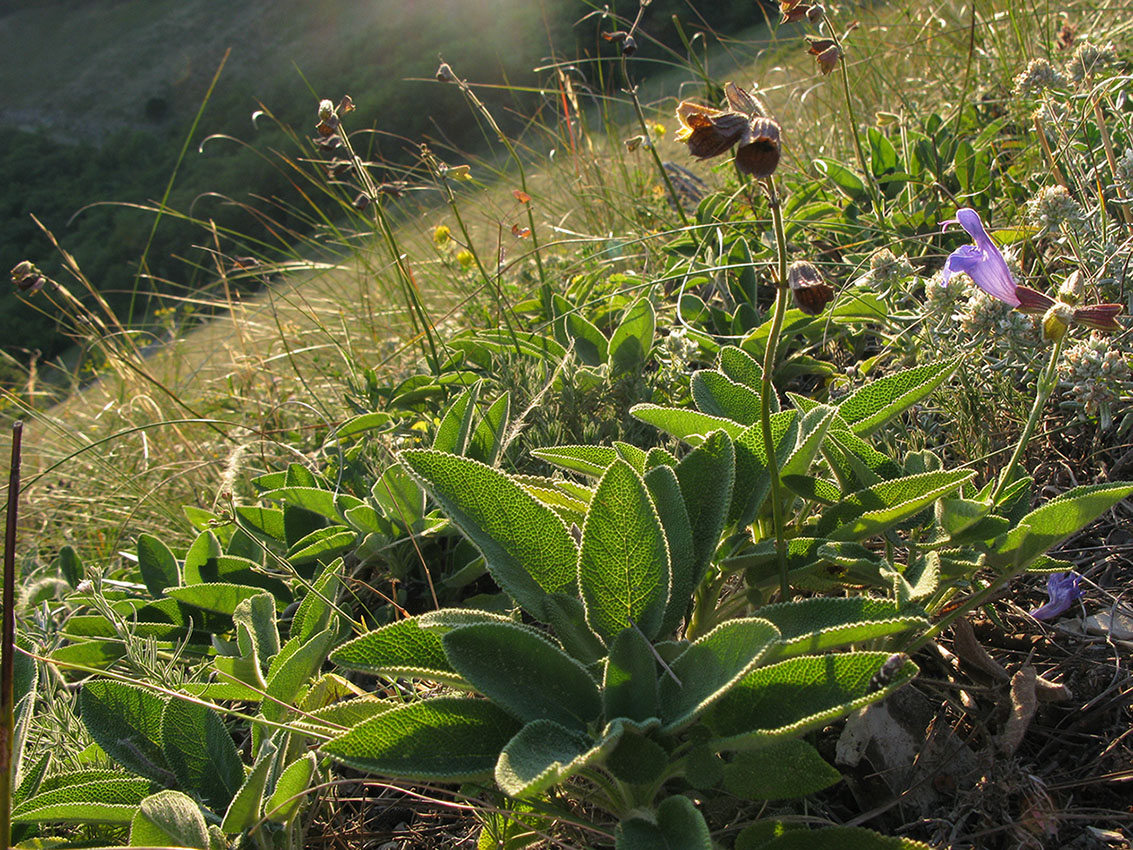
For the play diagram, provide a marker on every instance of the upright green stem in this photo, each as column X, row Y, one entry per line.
column 1045, row 385
column 8, row 658
column 852, row 120
column 767, row 388
column 1043, row 388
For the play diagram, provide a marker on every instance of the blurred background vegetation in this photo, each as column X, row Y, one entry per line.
column 101, row 95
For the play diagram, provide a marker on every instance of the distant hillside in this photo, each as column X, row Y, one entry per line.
column 100, row 94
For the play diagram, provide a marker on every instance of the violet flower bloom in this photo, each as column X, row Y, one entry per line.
column 1063, row 591
column 982, row 262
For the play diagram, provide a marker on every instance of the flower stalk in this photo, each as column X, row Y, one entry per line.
column 8, row 658
column 782, row 294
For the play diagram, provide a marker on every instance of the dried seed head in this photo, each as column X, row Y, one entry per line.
column 816, row 13
column 744, row 101
column 759, row 151
column 825, row 51
column 709, row 132
column 810, row 291
column 629, row 46
column 445, row 74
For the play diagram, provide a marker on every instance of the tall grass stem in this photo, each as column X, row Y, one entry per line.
column 8, row 659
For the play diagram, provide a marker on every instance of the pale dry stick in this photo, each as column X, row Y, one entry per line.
column 1107, row 143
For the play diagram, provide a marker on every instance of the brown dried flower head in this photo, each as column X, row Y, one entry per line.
column 810, row 291
column 27, row 278
column 710, row 132
column 825, row 51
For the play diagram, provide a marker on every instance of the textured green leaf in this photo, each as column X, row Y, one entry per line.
column 157, row 565
column 665, row 491
column 98, row 653
column 456, row 424
column 70, row 566
column 491, row 432
column 633, row 339
column 679, row 826
column 630, row 685
column 855, row 462
column 1056, row 520
column 256, row 633
column 526, row 547
column 290, row 789
column 112, row 801
column 821, row 623
column 264, row 523
column 590, row 344
column 443, row 740
column 712, row 665
column 524, row 673
column 200, row 752
column 812, row 431
column 323, row 544
column 543, row 754
column 753, row 481
column 786, row 699
column 636, row 758
column 317, row 607
column 706, row 475
column 623, row 563
column 169, row 819
column 222, row 598
column 741, row 367
column 717, row 395
column 314, row 499
column 205, row 549
column 292, row 672
column 244, row 810
column 684, row 424
column 871, row 406
column 399, row 497
column 780, row 771
column 125, row 720
column 585, row 460
column 402, row 648
column 874, row 509
column 567, row 616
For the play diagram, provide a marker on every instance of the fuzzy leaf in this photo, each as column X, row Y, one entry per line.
column 523, row 672
column 874, row 509
column 877, row 402
column 786, row 699
column 157, row 565
column 590, row 345
column 125, row 720
column 491, row 432
column 665, row 491
column 706, row 475
column 630, row 686
column 585, row 460
column 169, row 819
column 688, row 425
column 543, row 754
column 219, row 597
column 94, row 801
column 200, row 752
column 679, row 826
column 623, row 563
column 1056, row 520
column 711, row 666
column 526, row 547
column 456, row 424
column 443, row 740
column 633, row 339
column 832, row 838
column 718, row 395
column 821, row 623
column 780, row 771
column 290, row 789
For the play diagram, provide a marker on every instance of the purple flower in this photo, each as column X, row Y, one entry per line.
column 1063, row 591
column 982, row 262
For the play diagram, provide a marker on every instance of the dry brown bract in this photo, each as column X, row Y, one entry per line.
column 710, row 132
